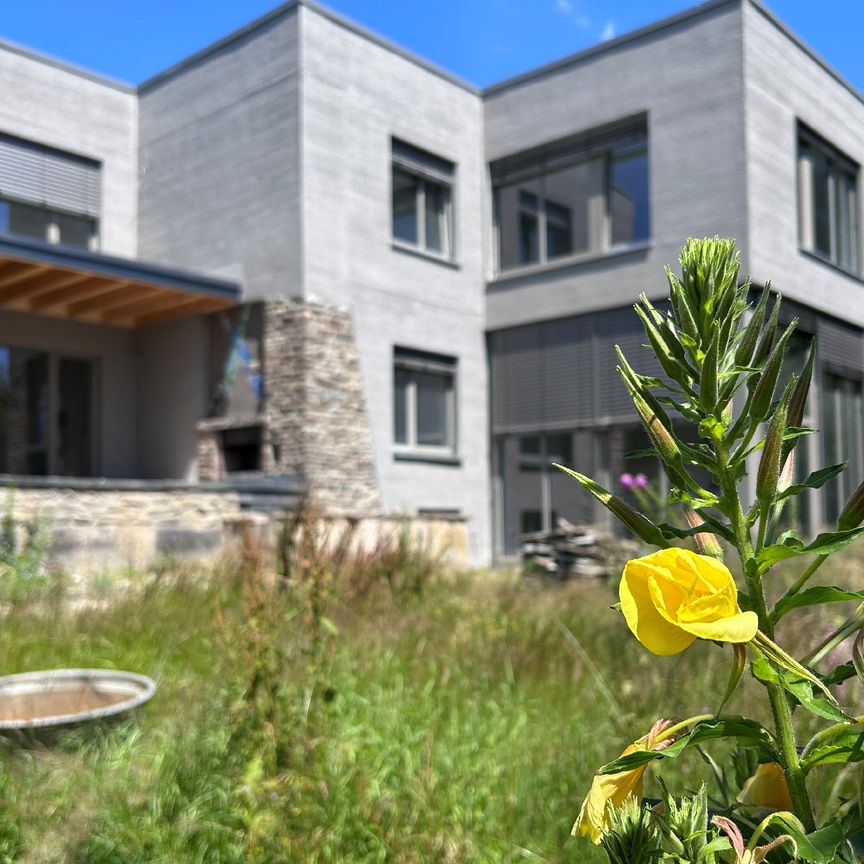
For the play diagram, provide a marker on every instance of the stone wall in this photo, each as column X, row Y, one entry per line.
column 119, row 525
column 90, row 528
column 317, row 420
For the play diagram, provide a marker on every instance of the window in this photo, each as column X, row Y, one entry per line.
column 37, row 223
column 48, row 194
column 422, row 200
column 583, row 195
column 841, row 435
column 424, row 401
column 827, row 202
column 46, row 414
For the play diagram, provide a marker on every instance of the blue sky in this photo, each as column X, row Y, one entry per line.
column 481, row 40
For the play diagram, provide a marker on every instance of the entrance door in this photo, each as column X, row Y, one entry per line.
column 74, row 417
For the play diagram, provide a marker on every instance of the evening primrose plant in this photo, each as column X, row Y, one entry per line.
column 721, row 357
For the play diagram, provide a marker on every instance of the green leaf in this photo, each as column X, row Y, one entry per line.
column 814, row 596
column 824, row 544
column 797, row 687
column 839, row 674
column 705, row 528
column 644, row 453
column 792, row 433
column 846, row 748
column 681, row 496
column 815, row 480
column 832, row 844
column 748, row 733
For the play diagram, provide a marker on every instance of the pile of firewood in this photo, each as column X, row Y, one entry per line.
column 575, row 551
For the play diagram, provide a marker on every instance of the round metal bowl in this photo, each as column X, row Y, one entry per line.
column 62, row 697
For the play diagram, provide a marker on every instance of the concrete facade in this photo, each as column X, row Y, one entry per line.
column 267, row 158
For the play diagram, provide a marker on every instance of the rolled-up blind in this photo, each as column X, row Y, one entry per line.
column 840, row 347
column 49, row 178
column 561, row 373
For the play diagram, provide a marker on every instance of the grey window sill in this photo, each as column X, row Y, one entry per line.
column 570, row 261
column 430, row 458
column 815, row 256
column 417, row 252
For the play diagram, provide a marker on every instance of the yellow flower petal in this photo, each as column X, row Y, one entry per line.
column 605, row 788
column 674, row 595
column 767, row 788
column 645, row 622
column 741, row 627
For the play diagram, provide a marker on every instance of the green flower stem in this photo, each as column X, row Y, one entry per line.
column 801, row 581
column 763, row 524
column 672, row 731
column 782, row 713
column 841, row 634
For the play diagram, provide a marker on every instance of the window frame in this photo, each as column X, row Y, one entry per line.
column 540, row 171
column 839, row 166
column 427, row 168
column 410, row 360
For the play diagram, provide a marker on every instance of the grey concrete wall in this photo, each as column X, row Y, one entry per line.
column 356, row 94
column 45, row 102
column 785, row 84
column 688, row 78
column 113, row 350
column 220, row 180
column 172, row 397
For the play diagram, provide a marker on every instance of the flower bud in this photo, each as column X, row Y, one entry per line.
column 766, row 343
column 768, row 476
column 744, row 352
column 798, row 401
column 787, row 475
column 706, row 542
column 708, row 391
column 628, row 516
column 852, row 514
column 665, row 445
column 763, row 392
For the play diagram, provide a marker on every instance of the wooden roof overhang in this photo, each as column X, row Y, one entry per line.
column 89, row 286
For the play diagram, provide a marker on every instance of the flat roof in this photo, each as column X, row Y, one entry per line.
column 411, row 56
column 65, row 282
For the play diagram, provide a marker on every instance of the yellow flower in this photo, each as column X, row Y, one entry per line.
column 615, row 789
column 767, row 788
column 674, row 596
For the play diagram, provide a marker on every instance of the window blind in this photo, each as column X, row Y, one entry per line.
column 49, row 178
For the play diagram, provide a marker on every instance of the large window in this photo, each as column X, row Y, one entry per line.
column 422, row 200
column 46, row 414
column 424, row 403
column 827, row 202
column 585, row 195
column 37, row 223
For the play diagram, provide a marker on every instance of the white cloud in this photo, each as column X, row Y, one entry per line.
column 568, row 9
column 608, row 31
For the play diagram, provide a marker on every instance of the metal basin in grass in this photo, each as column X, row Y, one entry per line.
column 34, row 701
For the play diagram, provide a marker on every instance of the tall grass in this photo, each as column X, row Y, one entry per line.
column 457, row 723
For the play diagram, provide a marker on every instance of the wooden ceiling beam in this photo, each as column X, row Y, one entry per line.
column 155, row 302
column 196, row 304
column 21, row 275
column 120, row 294
column 67, row 292
column 11, row 267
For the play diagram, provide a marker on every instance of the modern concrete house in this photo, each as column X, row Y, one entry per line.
column 305, row 256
